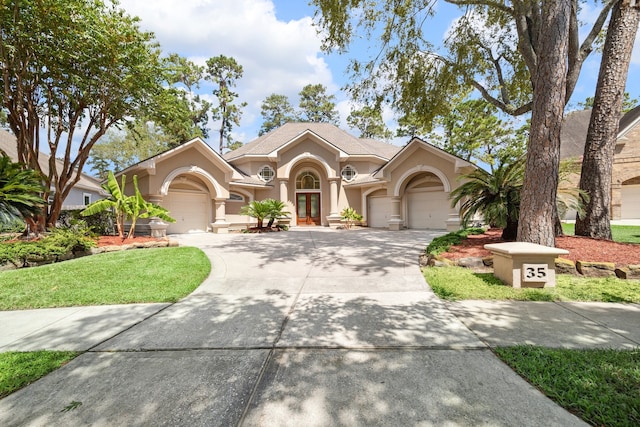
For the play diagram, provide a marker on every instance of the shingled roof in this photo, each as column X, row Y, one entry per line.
column 342, row 140
column 575, row 127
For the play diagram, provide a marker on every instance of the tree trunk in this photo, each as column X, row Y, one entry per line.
column 597, row 163
column 538, row 199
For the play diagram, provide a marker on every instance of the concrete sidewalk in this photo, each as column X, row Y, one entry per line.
column 310, row 327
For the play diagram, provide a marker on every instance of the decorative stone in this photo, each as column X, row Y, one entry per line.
column 488, row 261
column 596, row 269
column 628, row 272
column 8, row 266
column 471, row 262
column 423, row 260
column 173, row 243
column 565, row 266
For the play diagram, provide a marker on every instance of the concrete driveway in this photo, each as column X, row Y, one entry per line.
column 312, row 327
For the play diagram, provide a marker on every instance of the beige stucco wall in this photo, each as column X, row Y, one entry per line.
column 626, row 168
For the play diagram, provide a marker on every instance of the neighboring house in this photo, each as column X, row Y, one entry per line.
column 625, row 187
column 316, row 168
column 86, row 191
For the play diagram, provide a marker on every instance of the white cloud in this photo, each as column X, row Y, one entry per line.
column 277, row 56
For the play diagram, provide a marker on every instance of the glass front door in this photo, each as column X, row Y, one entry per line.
column 308, row 208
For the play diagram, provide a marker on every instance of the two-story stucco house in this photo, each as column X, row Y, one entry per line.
column 316, row 169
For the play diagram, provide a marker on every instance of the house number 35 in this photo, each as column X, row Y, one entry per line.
column 534, row 272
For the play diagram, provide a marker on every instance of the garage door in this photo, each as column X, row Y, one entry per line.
column 630, row 202
column 379, row 212
column 428, row 209
column 190, row 210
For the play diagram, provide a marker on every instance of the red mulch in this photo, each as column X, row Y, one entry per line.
column 117, row 241
column 580, row 248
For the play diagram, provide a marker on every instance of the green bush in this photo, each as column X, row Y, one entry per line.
column 443, row 243
column 15, row 225
column 55, row 244
column 101, row 223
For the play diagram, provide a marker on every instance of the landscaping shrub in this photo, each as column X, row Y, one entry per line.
column 443, row 243
column 56, row 244
column 101, row 223
column 16, row 225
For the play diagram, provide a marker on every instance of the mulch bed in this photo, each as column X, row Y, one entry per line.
column 580, row 248
column 117, row 241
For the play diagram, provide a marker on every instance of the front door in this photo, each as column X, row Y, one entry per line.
column 308, row 208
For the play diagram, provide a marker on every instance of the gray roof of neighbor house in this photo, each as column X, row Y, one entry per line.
column 8, row 145
column 342, row 140
column 575, row 127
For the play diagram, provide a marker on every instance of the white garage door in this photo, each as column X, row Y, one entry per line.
column 190, row 210
column 630, row 202
column 379, row 212
column 428, row 209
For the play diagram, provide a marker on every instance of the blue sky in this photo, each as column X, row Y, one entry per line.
column 279, row 49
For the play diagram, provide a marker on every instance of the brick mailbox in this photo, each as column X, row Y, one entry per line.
column 525, row 265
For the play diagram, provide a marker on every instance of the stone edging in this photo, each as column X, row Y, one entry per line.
column 563, row 266
column 36, row 261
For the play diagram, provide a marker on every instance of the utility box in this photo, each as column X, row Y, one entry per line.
column 525, row 265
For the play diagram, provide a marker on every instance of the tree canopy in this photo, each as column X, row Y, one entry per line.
column 369, row 121
column 317, row 106
column 276, row 110
column 224, row 71
column 73, row 68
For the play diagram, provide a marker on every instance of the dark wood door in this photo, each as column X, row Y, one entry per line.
column 308, row 208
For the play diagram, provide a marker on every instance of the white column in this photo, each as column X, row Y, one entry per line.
column 333, row 184
column 334, row 216
column 454, row 222
column 284, row 190
column 395, row 222
column 220, row 226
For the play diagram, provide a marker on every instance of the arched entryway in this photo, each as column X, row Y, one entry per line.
column 192, row 197
column 425, row 198
column 308, row 198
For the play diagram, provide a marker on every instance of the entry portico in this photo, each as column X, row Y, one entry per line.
column 317, row 169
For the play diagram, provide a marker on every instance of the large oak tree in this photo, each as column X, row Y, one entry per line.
column 70, row 70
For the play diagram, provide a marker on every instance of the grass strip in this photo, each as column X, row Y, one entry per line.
column 123, row 277
column 600, row 386
column 458, row 283
column 620, row 233
column 19, row 369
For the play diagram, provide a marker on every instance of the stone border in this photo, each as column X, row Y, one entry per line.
column 563, row 266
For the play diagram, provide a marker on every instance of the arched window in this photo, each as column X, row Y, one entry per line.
column 235, row 197
column 307, row 181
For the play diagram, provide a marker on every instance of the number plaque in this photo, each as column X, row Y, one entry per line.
column 534, row 273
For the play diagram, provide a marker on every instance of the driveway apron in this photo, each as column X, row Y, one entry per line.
column 310, row 327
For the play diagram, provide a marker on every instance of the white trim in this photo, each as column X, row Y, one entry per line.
column 418, row 169
column 306, row 156
column 164, row 189
column 83, row 198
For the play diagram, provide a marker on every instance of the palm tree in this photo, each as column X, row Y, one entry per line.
column 494, row 195
column 276, row 211
column 20, row 191
column 270, row 209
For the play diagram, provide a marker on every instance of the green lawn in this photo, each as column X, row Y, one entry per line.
column 620, row 233
column 600, row 386
column 458, row 283
column 20, row 369
column 133, row 276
